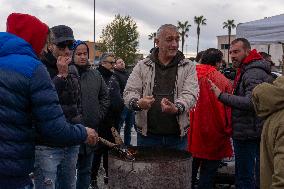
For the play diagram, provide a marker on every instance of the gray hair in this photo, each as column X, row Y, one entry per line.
column 105, row 55
column 165, row 26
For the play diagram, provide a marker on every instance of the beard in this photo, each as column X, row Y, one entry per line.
column 236, row 64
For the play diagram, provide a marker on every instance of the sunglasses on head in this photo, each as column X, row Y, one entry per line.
column 64, row 44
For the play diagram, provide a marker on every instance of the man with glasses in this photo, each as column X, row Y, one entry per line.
column 59, row 48
column 112, row 117
column 55, row 164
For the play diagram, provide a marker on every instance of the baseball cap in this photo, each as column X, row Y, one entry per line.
column 62, row 33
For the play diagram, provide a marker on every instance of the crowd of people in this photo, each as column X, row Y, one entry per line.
column 55, row 106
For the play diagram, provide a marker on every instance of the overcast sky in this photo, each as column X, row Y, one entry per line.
column 78, row 14
column 148, row 14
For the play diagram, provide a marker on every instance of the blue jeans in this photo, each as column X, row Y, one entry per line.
column 84, row 169
column 151, row 140
column 208, row 169
column 128, row 117
column 30, row 186
column 246, row 164
column 55, row 167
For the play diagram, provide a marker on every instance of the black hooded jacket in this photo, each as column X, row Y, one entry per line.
column 116, row 103
column 68, row 90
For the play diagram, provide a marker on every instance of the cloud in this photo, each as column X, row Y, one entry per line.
column 49, row 7
column 148, row 14
column 79, row 15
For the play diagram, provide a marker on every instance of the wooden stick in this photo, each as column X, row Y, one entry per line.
column 107, row 143
column 118, row 140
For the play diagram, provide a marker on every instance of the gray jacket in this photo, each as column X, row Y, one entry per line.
column 140, row 83
column 246, row 124
column 95, row 98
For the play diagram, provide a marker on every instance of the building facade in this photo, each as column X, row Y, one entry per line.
column 223, row 45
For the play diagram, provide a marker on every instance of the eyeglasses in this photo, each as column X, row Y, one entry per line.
column 63, row 45
column 110, row 62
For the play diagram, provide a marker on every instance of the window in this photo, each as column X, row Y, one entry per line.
column 225, row 46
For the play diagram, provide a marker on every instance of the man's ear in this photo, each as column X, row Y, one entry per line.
column 248, row 51
column 50, row 47
column 156, row 40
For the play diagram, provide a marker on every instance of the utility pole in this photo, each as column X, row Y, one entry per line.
column 94, row 20
column 94, row 31
column 186, row 50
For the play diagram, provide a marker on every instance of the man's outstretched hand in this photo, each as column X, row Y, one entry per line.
column 92, row 137
column 214, row 88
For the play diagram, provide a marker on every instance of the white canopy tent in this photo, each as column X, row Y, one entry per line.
column 265, row 35
column 265, row 31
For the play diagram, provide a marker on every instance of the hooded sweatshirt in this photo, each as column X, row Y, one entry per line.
column 161, row 123
column 94, row 92
column 23, row 25
column 268, row 100
column 210, row 121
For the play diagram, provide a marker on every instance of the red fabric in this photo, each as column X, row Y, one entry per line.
column 28, row 28
column 253, row 55
column 210, row 121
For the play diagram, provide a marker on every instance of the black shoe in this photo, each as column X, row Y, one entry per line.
column 94, row 184
column 105, row 179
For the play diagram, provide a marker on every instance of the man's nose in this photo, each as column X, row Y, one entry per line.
column 175, row 43
column 67, row 51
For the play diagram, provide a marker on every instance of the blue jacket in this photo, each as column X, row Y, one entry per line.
column 26, row 94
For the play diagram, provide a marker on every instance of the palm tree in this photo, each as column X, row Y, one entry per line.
column 199, row 20
column 230, row 25
column 152, row 36
column 184, row 29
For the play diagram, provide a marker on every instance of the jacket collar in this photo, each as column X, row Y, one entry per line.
column 252, row 56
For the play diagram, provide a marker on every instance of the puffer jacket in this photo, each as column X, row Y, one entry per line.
column 245, row 123
column 268, row 100
column 94, row 97
column 95, row 100
column 141, row 82
column 27, row 94
column 68, row 91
